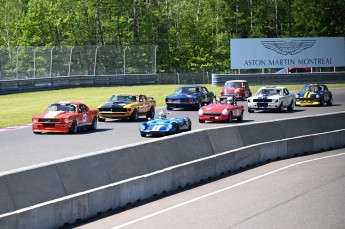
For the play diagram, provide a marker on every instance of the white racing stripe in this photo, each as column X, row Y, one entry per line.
column 222, row 190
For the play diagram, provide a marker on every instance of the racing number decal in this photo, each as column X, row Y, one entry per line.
column 84, row 118
column 156, row 128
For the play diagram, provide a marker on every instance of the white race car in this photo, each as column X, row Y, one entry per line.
column 272, row 98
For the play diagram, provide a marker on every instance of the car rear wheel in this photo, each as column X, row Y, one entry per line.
column 74, row 128
column 201, row 121
column 189, row 128
column 135, row 115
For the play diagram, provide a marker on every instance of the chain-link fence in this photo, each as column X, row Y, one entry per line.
column 41, row 62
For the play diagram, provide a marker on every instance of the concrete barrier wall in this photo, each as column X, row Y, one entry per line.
column 83, row 187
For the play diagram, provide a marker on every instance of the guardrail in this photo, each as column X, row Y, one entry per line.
column 80, row 188
column 273, row 79
column 50, row 83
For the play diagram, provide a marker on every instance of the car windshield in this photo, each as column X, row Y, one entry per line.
column 311, row 88
column 233, row 84
column 62, row 107
column 123, row 98
column 188, row 90
column 269, row 91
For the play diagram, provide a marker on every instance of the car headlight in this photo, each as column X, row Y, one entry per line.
column 201, row 112
column 66, row 120
column 317, row 96
column 225, row 112
column 248, row 101
column 297, row 96
column 34, row 119
column 277, row 100
column 142, row 126
column 170, row 126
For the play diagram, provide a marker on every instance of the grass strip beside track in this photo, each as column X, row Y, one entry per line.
column 18, row 109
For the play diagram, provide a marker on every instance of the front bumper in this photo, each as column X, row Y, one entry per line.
column 263, row 106
column 308, row 102
column 115, row 115
column 214, row 117
column 51, row 127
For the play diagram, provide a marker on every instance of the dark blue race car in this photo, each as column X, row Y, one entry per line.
column 314, row 94
column 190, row 97
column 165, row 126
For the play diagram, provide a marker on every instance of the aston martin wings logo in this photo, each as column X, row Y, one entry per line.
column 292, row 48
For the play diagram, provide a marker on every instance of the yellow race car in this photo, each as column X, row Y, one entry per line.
column 127, row 106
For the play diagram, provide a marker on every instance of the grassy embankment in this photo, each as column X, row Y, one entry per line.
column 17, row 109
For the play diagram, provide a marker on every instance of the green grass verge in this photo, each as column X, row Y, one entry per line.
column 17, row 109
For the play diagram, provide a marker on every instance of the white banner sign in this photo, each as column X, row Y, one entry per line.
column 287, row 52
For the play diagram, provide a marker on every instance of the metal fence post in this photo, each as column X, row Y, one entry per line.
column 94, row 67
column 51, row 61
column 70, row 60
column 124, row 60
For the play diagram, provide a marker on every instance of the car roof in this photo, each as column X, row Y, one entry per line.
column 192, row 86
column 68, row 102
column 242, row 81
column 272, row 87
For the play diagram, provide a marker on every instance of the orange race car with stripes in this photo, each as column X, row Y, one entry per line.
column 65, row 117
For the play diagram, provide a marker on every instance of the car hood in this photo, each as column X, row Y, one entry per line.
column 182, row 96
column 232, row 90
column 265, row 97
column 217, row 107
column 55, row 114
column 115, row 104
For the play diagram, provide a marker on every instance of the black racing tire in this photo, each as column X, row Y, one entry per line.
column 151, row 113
column 101, row 119
column 177, row 129
column 250, row 110
column 36, row 132
column 330, row 102
column 201, row 121
column 135, row 115
column 229, row 120
column 189, row 127
column 291, row 106
column 280, row 109
column 143, row 135
column 169, row 108
column 322, row 101
column 240, row 119
column 93, row 125
column 74, row 128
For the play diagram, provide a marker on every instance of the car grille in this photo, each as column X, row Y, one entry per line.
column 48, row 125
column 262, row 100
column 180, row 101
column 113, row 110
column 211, row 114
column 49, row 120
column 262, row 104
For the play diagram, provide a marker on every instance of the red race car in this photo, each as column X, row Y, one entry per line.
column 224, row 110
column 238, row 88
column 65, row 117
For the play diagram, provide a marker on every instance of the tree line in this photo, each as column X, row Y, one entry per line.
column 191, row 35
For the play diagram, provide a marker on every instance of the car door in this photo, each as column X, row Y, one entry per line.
column 287, row 97
column 143, row 105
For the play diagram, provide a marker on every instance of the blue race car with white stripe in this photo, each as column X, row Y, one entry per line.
column 165, row 126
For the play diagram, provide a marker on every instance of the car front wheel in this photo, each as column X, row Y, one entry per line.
column 74, row 128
